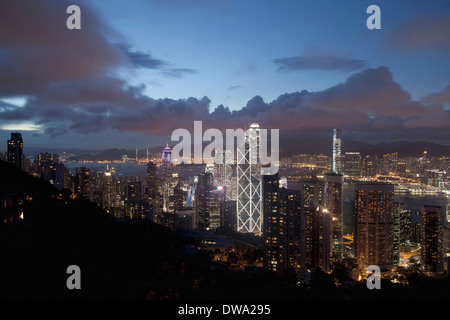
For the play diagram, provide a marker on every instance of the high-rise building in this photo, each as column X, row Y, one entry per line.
column 321, row 238
column 432, row 240
column 208, row 202
column 274, row 225
column 153, row 187
column 333, row 201
column 249, row 205
column 169, row 181
column 370, row 165
column 312, row 195
column 283, row 227
column 228, row 214
column 15, row 149
column 374, row 234
column 352, row 164
column 337, row 167
column 223, row 171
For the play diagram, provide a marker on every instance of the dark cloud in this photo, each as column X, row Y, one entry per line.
column 431, row 32
column 318, row 62
column 140, row 59
column 234, row 87
column 177, row 72
column 69, row 81
column 144, row 60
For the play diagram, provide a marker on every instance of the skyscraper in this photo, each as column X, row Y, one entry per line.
column 15, row 149
column 223, row 171
column 283, row 227
column 334, row 203
column 337, row 168
column 168, row 180
column 352, row 164
column 374, row 234
column 432, row 240
column 274, row 224
column 208, row 202
column 249, row 206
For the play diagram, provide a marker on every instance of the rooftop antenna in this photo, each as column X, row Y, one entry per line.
column 147, row 155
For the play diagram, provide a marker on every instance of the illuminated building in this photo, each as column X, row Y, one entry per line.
column 208, row 202
column 333, row 201
column 312, row 194
column 374, row 234
column 169, row 180
column 223, row 171
column 283, row 227
column 352, row 164
column 337, row 168
column 249, row 206
column 228, row 214
column 15, row 149
column 432, row 240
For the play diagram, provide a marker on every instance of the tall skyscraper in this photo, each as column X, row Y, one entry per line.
column 374, row 235
column 208, row 202
column 249, row 205
column 333, row 201
column 432, row 239
column 352, row 164
column 168, row 180
column 15, row 149
column 312, row 195
column 223, row 171
column 283, row 227
column 321, row 238
column 337, row 168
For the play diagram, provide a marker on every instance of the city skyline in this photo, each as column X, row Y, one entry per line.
column 98, row 201
column 137, row 71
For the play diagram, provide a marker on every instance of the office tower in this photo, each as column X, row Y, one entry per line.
column 15, row 149
column 81, row 181
column 390, row 162
column 405, row 224
column 321, row 238
column 274, row 225
column 283, row 227
column 432, row 240
column 166, row 162
column 370, row 166
column 223, row 171
column 337, row 168
column 168, row 180
column 396, row 231
column 153, row 185
column 334, row 203
column 312, row 195
column 228, row 214
column 61, row 175
column 248, row 168
column 374, row 235
column 208, row 202
column 352, row 164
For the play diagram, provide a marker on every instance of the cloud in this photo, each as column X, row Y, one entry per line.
column 144, row 60
column 325, row 62
column 70, row 85
column 439, row 97
column 234, row 87
column 430, row 32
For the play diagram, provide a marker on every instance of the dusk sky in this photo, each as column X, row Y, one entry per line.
column 139, row 69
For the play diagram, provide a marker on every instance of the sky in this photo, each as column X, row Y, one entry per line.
column 139, row 69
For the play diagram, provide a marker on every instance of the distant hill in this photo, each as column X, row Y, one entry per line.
column 403, row 148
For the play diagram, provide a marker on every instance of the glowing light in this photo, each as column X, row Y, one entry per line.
column 21, row 126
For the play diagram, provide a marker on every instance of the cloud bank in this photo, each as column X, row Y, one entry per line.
column 71, row 85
